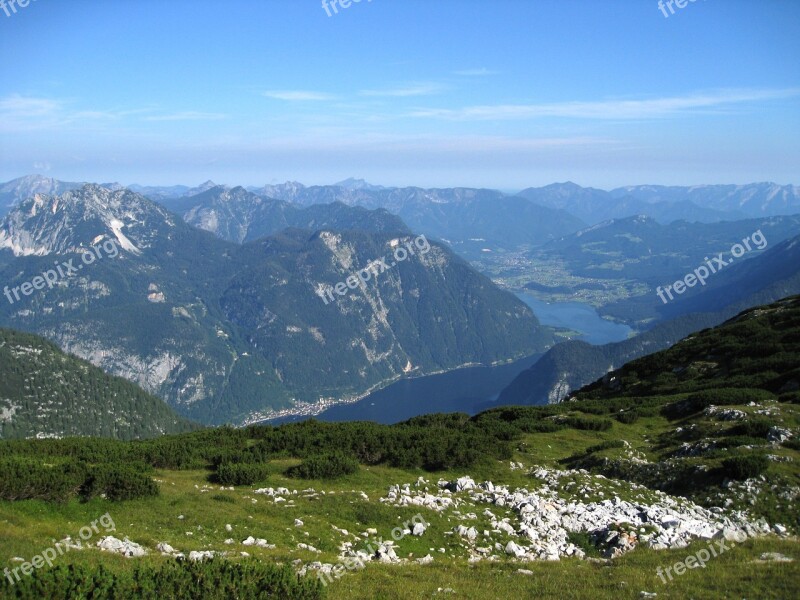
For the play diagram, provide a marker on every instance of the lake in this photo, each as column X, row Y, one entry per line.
column 474, row 389
column 579, row 317
column 469, row 390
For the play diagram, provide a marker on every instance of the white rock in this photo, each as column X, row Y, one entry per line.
column 165, row 548
column 202, row 555
column 514, row 549
column 125, row 547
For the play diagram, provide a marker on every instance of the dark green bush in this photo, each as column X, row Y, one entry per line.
column 745, row 467
column 588, row 423
column 628, row 417
column 755, row 428
column 792, row 444
column 699, row 401
column 242, row 474
column 210, row 580
column 118, row 483
column 31, row 479
column 541, row 427
column 605, row 446
column 324, row 466
column 741, row 440
column 789, row 398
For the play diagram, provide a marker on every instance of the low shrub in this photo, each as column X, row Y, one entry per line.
column 588, row 423
column 209, row 580
column 628, row 417
column 242, row 474
column 608, row 445
column 754, row 428
column 699, row 401
column 792, row 444
column 745, row 467
column 30, row 479
column 118, row 483
column 324, row 466
column 741, row 440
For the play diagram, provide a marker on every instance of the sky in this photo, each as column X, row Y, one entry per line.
column 505, row 94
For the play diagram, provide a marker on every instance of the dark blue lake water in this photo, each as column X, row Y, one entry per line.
column 578, row 317
column 469, row 390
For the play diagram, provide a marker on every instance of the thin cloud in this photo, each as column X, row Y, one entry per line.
column 420, row 89
column 482, row 72
column 188, row 116
column 609, row 109
column 297, row 95
column 25, row 107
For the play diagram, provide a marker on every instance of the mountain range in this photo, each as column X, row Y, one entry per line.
column 227, row 332
column 703, row 203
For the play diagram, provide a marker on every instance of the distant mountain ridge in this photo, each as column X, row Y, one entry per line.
column 753, row 200
column 458, row 216
column 704, row 203
column 236, row 215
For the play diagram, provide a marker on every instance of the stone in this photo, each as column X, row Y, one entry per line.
column 125, row 547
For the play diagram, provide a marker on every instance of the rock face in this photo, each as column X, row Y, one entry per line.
column 544, row 519
column 125, row 547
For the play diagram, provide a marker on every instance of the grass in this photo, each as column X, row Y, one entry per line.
column 29, row 527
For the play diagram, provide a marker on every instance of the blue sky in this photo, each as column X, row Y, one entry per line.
column 503, row 93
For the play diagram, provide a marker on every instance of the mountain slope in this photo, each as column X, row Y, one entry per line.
column 46, row 393
column 758, row 348
column 683, row 455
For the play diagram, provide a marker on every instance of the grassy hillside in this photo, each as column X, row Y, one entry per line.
column 699, row 443
column 46, row 393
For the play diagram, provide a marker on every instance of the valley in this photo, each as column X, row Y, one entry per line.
column 420, row 300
